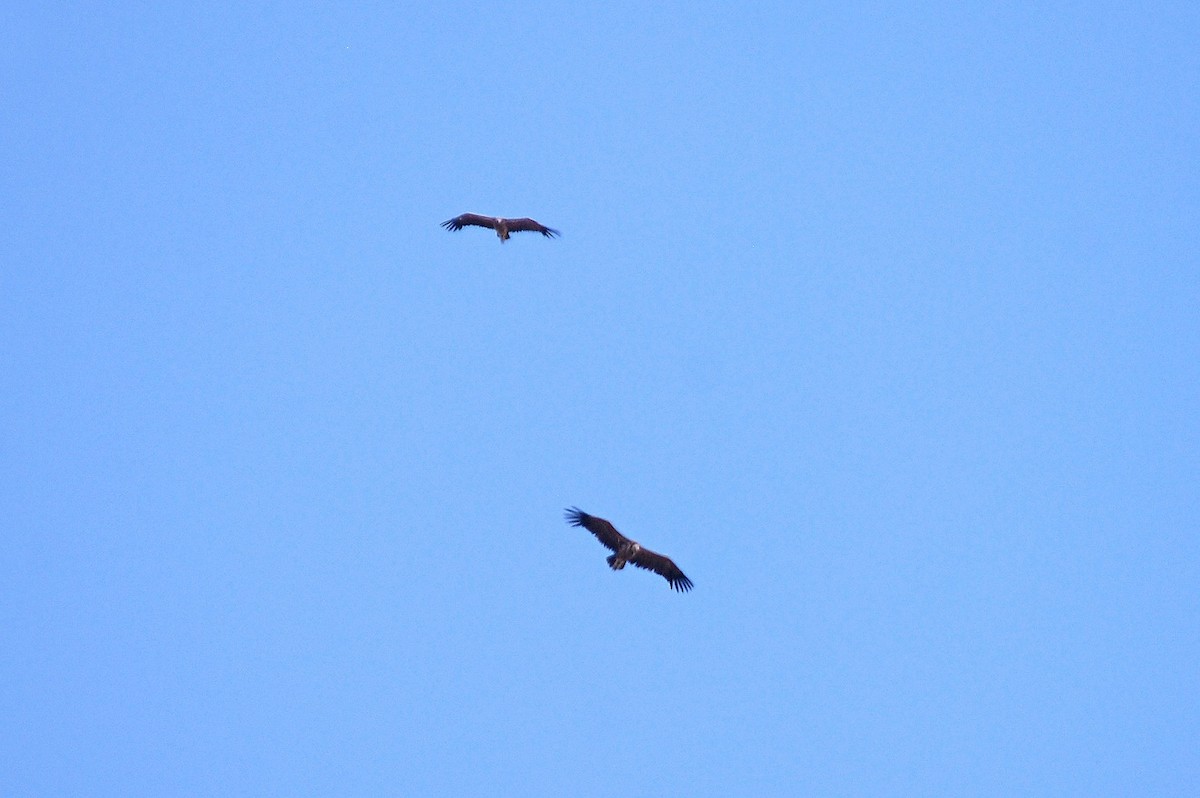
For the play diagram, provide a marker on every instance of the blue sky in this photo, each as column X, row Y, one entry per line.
column 881, row 320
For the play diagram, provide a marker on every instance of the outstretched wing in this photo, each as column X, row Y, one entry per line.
column 653, row 561
column 605, row 532
column 469, row 219
column 518, row 225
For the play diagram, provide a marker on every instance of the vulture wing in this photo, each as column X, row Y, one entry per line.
column 653, row 561
column 518, row 225
column 469, row 219
column 605, row 532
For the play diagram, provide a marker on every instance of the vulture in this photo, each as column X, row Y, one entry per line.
column 502, row 226
column 626, row 550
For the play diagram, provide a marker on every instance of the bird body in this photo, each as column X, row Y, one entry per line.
column 629, row 551
column 503, row 227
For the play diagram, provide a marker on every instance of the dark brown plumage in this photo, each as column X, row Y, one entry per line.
column 502, row 226
column 626, row 550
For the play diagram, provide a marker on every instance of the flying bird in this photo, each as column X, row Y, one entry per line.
column 502, row 226
column 627, row 550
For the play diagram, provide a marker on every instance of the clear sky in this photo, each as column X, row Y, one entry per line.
column 882, row 320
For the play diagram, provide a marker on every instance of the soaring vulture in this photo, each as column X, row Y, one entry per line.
column 502, row 226
column 627, row 550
